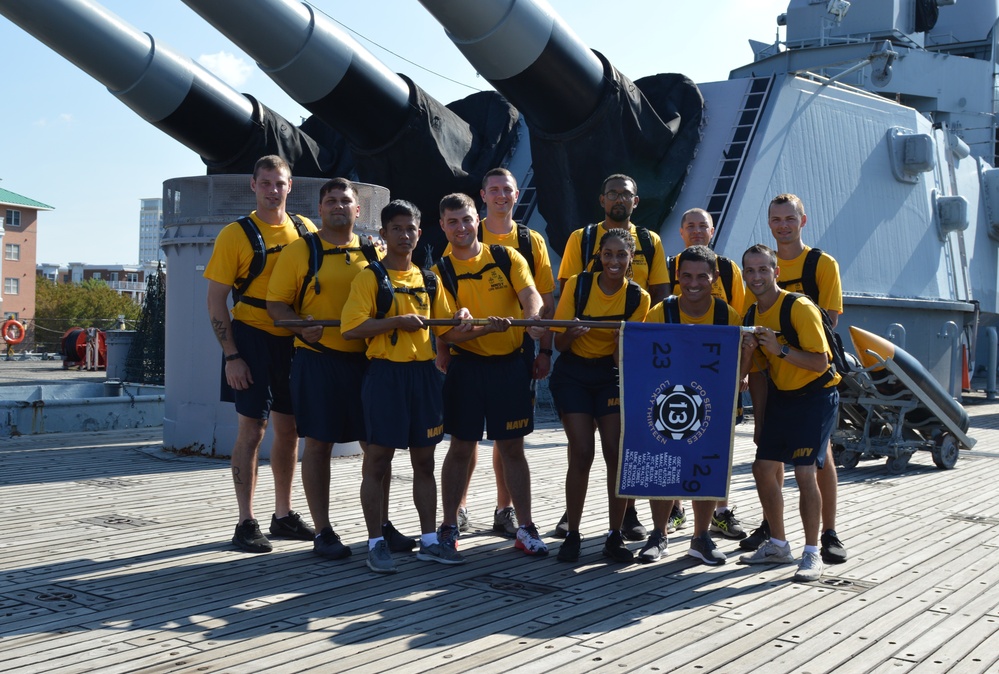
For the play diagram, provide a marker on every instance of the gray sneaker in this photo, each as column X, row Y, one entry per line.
column 704, row 549
column 810, row 567
column 505, row 522
column 445, row 550
column 462, row 519
column 655, row 548
column 770, row 553
column 380, row 559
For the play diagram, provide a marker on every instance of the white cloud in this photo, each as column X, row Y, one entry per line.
column 231, row 69
column 66, row 118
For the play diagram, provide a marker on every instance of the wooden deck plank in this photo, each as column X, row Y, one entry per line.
column 171, row 595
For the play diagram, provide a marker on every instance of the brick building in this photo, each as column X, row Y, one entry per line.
column 18, row 237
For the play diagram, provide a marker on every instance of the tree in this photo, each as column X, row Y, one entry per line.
column 60, row 306
column 145, row 362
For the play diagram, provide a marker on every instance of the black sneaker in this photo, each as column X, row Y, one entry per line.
column 615, row 549
column 292, row 526
column 249, row 538
column 562, row 528
column 704, row 549
column 396, row 541
column 655, row 548
column 327, row 544
column 569, row 550
column 631, row 528
column 757, row 538
column 833, row 551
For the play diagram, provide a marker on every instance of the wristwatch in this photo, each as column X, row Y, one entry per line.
column 232, row 356
column 784, row 350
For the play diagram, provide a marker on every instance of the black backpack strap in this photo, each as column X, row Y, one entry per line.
column 721, row 312
column 584, row 282
column 810, row 274
column 750, row 318
column 786, row 326
column 524, row 247
column 368, row 251
column 299, row 224
column 671, row 309
column 258, row 262
column 645, row 245
column 671, row 269
column 632, row 299
column 448, row 276
column 726, row 273
column 501, row 256
column 315, row 261
column 586, row 244
column 385, row 294
column 430, row 285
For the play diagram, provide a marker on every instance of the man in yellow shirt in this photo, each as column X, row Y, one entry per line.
column 256, row 354
column 499, row 193
column 488, row 383
column 696, row 229
column 816, row 274
column 798, row 413
column 618, row 198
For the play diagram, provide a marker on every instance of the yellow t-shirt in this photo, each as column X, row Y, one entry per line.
column 657, row 314
column 572, row 262
column 336, row 271
column 597, row 342
column 491, row 295
column 544, row 280
column 738, row 299
column 826, row 276
column 409, row 346
column 807, row 321
column 231, row 259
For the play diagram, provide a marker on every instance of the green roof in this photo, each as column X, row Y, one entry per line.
column 14, row 199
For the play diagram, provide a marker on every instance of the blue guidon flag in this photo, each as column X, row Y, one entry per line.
column 679, row 388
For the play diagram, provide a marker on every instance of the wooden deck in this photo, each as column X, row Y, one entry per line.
column 116, row 558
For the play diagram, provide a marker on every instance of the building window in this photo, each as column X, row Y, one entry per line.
column 132, row 276
column 11, row 286
column 12, row 251
column 114, row 276
column 96, row 276
column 13, row 218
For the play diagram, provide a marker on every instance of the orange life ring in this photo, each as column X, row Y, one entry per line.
column 13, row 332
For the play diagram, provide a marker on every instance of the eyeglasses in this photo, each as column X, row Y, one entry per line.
column 614, row 196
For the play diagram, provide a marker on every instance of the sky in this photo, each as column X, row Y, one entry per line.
column 67, row 142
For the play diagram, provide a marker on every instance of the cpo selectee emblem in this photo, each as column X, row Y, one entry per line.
column 679, row 412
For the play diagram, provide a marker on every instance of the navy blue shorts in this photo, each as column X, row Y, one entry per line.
column 269, row 359
column 326, row 394
column 402, row 404
column 493, row 393
column 796, row 428
column 585, row 385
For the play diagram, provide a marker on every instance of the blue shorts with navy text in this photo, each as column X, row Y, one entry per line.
column 585, row 385
column 269, row 359
column 488, row 391
column 402, row 404
column 326, row 395
column 796, row 428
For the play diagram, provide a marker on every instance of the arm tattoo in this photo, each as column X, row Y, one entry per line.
column 221, row 333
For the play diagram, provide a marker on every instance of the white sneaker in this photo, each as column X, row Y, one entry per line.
column 770, row 553
column 810, row 567
column 530, row 542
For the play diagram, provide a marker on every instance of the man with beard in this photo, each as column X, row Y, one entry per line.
column 618, row 198
column 311, row 280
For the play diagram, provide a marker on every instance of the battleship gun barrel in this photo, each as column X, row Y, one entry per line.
column 586, row 119
column 167, row 89
column 318, row 64
column 526, row 51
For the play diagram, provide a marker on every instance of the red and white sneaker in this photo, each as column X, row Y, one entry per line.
column 529, row 541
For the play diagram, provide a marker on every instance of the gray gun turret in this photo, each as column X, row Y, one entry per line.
column 399, row 136
column 586, row 119
column 229, row 130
